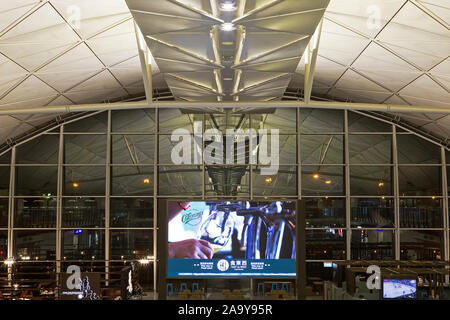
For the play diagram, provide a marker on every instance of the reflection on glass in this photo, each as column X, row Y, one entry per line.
column 227, row 181
column 4, row 205
column 325, row 244
column 131, row 212
column 370, row 149
column 283, row 119
column 419, row 181
column 36, row 181
column 326, row 149
column 34, row 245
column 142, row 121
column 415, row 150
column 284, row 183
column 133, row 149
column 85, row 149
column 421, row 245
column 361, row 123
column 83, row 212
column 3, row 245
column 372, row 212
column 5, row 158
column 325, row 212
column 321, row 121
column 180, row 180
column 421, row 213
column 228, row 120
column 168, row 154
column 323, row 180
column 131, row 244
column 82, row 244
column 132, row 181
column 172, row 119
column 35, row 213
column 40, row 150
column 84, row 181
column 96, row 123
column 4, row 181
column 371, row 181
column 372, row 244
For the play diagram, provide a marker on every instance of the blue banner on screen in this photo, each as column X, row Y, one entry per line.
column 231, row 268
column 226, row 239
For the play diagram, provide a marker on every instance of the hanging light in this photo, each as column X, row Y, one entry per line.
column 328, row 181
column 316, row 176
column 75, row 185
column 147, row 181
column 268, row 180
column 381, row 184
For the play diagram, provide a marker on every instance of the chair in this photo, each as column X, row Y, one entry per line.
column 170, row 290
column 285, row 287
column 274, row 286
column 183, row 287
column 195, row 286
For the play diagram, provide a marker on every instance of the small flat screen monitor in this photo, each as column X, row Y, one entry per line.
column 399, row 288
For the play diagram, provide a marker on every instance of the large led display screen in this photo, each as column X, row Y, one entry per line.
column 227, row 239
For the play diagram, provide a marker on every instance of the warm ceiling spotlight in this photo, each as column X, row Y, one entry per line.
column 146, row 180
column 316, row 176
column 383, row 197
column 268, row 180
column 227, row 79
column 9, row 262
column 381, row 184
column 227, row 43
column 433, row 197
column 144, row 261
column 328, row 181
column 228, row 6
column 227, row 26
column 75, row 185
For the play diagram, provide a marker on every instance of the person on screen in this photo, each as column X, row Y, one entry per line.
column 190, row 248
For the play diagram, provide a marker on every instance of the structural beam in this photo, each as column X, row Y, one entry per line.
column 310, row 61
column 223, row 105
column 146, row 63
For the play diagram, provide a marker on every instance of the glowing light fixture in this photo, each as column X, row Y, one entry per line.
column 316, row 176
column 433, row 197
column 146, row 180
column 227, row 27
column 268, row 180
column 328, row 182
column 75, row 185
column 380, row 184
column 9, row 262
column 228, row 6
column 144, row 261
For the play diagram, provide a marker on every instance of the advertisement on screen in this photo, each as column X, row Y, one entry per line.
column 227, row 239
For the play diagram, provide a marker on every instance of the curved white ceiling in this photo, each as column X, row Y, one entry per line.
column 46, row 58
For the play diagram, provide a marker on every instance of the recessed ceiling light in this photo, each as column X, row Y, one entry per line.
column 227, row 26
column 228, row 43
column 227, row 79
